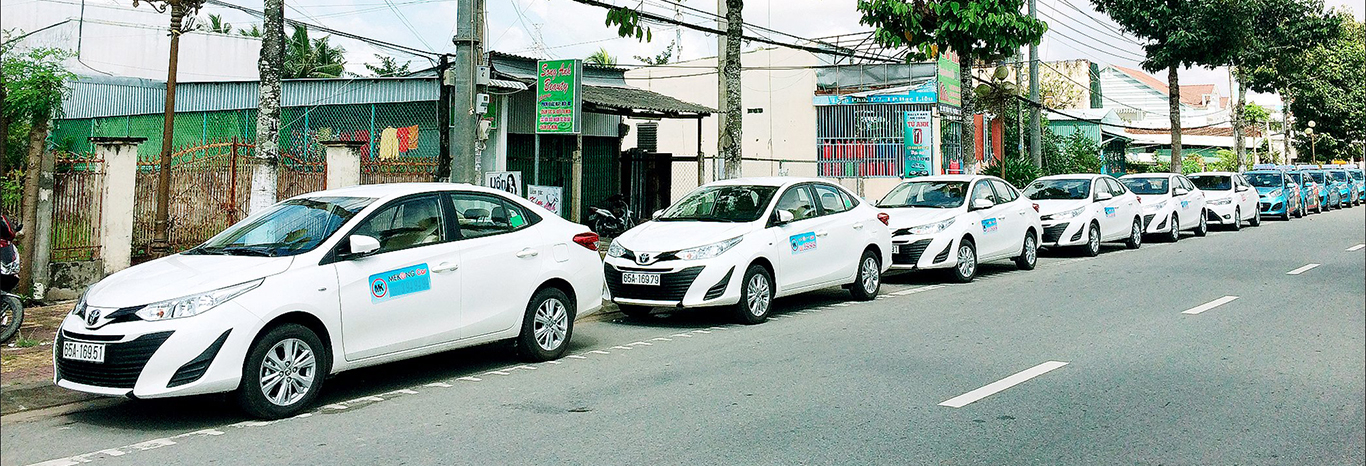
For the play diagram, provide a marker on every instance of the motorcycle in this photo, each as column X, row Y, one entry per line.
column 612, row 220
column 11, row 309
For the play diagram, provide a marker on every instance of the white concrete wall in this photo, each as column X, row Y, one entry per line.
column 116, row 200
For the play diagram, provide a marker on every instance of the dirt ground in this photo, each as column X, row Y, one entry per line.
column 26, row 362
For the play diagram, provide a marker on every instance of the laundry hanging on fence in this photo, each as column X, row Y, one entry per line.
column 395, row 141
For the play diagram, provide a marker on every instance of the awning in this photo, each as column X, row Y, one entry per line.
column 634, row 102
column 508, row 84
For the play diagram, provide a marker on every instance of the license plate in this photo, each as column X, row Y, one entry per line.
column 89, row 352
column 651, row 279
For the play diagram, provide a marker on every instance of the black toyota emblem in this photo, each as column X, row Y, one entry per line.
column 91, row 317
column 643, row 258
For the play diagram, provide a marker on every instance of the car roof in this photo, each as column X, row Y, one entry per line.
column 1148, row 175
column 1212, row 174
column 947, row 178
column 390, row 190
column 778, row 181
column 1070, row 176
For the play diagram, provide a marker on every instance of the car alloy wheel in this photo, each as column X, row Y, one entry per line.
column 869, row 278
column 1135, row 235
column 547, row 326
column 758, row 298
column 1092, row 240
column 1029, row 253
column 551, row 326
column 283, row 372
column 1174, row 231
column 288, row 371
column 1237, row 219
column 1256, row 219
column 967, row 262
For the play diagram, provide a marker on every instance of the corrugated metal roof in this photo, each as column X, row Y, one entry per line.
column 630, row 98
column 94, row 97
column 508, row 84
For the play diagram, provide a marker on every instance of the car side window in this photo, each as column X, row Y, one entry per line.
column 831, row 200
column 982, row 190
column 797, row 200
column 481, row 215
column 1004, row 191
column 408, row 223
column 1116, row 188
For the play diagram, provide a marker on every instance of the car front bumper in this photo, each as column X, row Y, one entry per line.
column 1222, row 214
column 712, row 282
column 1059, row 233
column 1274, row 205
column 912, row 252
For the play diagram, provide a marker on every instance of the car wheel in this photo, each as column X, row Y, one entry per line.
column 1174, row 231
column 966, row 269
column 869, row 278
column 634, row 312
column 1092, row 247
column 1318, row 209
column 11, row 316
column 1135, row 235
column 1202, row 228
column 1029, row 253
column 283, row 372
column 547, row 327
column 1256, row 219
column 1237, row 219
column 756, row 296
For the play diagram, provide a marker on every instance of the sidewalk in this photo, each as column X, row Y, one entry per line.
column 26, row 363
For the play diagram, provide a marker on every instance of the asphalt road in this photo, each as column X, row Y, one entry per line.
column 1127, row 366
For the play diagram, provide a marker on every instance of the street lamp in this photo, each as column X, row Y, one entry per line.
column 1310, row 132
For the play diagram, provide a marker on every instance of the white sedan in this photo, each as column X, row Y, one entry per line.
column 957, row 221
column 1229, row 198
column 1171, row 204
column 744, row 242
column 1086, row 209
column 328, row 282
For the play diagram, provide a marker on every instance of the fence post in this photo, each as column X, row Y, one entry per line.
column 120, row 167
column 343, row 163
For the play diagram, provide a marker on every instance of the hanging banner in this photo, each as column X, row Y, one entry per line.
column 950, row 86
column 559, row 96
column 505, row 181
column 546, row 196
column 919, row 143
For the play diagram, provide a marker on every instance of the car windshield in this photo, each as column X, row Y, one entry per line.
column 1058, row 189
column 1213, row 182
column 1297, row 176
column 721, row 204
column 292, row 227
column 1264, row 180
column 934, row 194
column 1357, row 175
column 1318, row 177
column 1146, row 185
column 1339, row 175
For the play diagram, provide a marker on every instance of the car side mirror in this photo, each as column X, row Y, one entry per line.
column 979, row 204
column 1180, row 191
column 361, row 245
column 1241, row 188
column 1104, row 196
column 784, row 216
column 657, row 214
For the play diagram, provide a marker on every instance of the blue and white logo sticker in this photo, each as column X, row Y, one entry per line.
column 988, row 225
column 1185, row 204
column 399, row 282
column 1109, row 212
column 802, row 242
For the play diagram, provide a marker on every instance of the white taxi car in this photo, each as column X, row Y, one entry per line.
column 1086, row 209
column 1229, row 198
column 745, row 242
column 331, row 281
column 956, row 221
column 1171, row 204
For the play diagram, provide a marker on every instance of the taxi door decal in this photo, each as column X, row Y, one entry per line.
column 399, row 282
column 802, row 242
column 989, row 225
column 1109, row 212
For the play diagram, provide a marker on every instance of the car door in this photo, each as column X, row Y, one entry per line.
column 1247, row 196
column 1116, row 212
column 501, row 252
column 845, row 236
column 1014, row 218
column 404, row 295
column 991, row 240
column 1128, row 205
column 1191, row 205
column 803, row 252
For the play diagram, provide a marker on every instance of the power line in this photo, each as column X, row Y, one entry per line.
column 1104, row 32
column 1088, row 45
column 429, row 55
column 404, row 19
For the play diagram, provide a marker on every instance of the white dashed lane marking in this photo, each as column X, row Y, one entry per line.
column 1210, row 305
column 999, row 385
column 1302, row 269
column 918, row 290
column 1356, row 248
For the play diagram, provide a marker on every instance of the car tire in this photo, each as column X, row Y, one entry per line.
column 1029, row 253
column 1256, row 218
column 12, row 318
column 634, row 311
column 1299, row 211
column 1092, row 246
column 1237, row 219
column 547, row 326
column 309, row 362
column 966, row 268
column 756, row 296
column 1202, row 228
column 1318, row 209
column 868, row 280
column 1174, row 230
column 1135, row 235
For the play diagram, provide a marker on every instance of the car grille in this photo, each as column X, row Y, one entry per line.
column 1052, row 233
column 672, row 285
column 196, row 368
column 1210, row 215
column 123, row 362
column 1148, row 219
column 720, row 287
column 1077, row 236
column 909, row 254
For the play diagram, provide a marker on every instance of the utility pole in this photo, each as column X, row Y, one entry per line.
column 443, row 116
column 464, row 121
column 1035, row 138
column 161, row 240
column 1019, row 114
column 270, row 65
column 730, row 20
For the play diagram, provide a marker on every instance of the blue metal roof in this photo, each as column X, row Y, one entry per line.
column 98, row 96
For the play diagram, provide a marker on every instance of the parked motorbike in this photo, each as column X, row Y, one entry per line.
column 612, row 220
column 11, row 309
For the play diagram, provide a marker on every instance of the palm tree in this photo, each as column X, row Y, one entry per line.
column 216, row 24
column 602, row 58
column 312, row 58
column 388, row 67
column 255, row 31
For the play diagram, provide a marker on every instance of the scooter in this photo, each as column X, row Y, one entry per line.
column 11, row 308
column 613, row 220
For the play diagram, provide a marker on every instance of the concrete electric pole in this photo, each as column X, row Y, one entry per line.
column 1035, row 138
column 467, row 89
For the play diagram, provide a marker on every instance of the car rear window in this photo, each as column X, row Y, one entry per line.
column 1146, row 185
column 1213, row 182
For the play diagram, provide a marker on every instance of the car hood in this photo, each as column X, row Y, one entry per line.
column 180, row 275
column 1213, row 195
column 1263, row 190
column 906, row 217
column 1053, row 206
column 657, row 236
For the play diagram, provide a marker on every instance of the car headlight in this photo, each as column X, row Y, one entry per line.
column 615, row 250
column 1157, row 206
column 1069, row 213
column 709, row 251
column 1275, row 193
column 79, row 310
column 931, row 228
column 1224, row 201
column 194, row 304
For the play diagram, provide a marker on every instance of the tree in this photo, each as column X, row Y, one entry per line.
column 388, row 67
column 1180, row 33
column 35, row 82
column 216, row 24
column 1332, row 93
column 271, row 66
column 977, row 30
column 312, row 58
column 601, row 58
column 661, row 59
column 253, row 32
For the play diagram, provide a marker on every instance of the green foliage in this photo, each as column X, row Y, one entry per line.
column 1181, row 33
column 1332, row 93
column 216, row 24
column 975, row 29
column 1280, row 33
column 312, row 58
column 661, row 59
column 1228, row 161
column 601, row 58
column 1074, row 153
column 1018, row 171
column 628, row 24
column 12, row 186
column 387, row 67
column 1254, row 114
column 255, row 31
column 1191, row 163
column 35, row 81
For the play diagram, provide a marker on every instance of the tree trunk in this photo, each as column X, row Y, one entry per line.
column 1239, row 143
column 37, row 139
column 4, row 137
column 1286, row 99
column 1174, row 101
column 968, row 134
column 731, row 142
column 264, row 177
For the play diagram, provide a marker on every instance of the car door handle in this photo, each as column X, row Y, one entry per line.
column 445, row 267
column 528, row 252
column 858, row 226
column 822, row 233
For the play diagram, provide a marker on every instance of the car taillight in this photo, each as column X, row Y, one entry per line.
column 884, row 218
column 1036, row 207
column 588, row 240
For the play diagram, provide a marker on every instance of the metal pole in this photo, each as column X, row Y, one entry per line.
column 464, row 122
column 161, row 241
column 1035, row 138
column 536, row 161
column 443, row 118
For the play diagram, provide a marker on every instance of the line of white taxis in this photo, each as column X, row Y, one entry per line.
column 347, row 278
